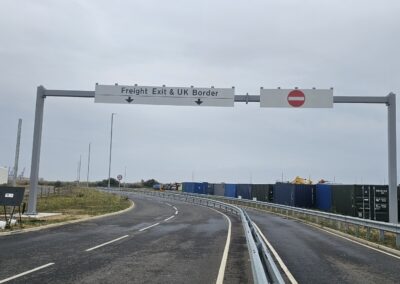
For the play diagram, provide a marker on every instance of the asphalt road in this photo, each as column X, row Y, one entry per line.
column 315, row 256
column 159, row 241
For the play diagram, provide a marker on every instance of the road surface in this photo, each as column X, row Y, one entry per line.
column 159, row 241
column 315, row 256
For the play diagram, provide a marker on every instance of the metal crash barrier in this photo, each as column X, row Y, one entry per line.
column 262, row 264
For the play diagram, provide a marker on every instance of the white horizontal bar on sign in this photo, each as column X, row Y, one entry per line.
column 165, row 95
column 297, row 98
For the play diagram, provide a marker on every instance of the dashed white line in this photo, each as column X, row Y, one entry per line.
column 176, row 209
column 176, row 212
column 141, row 230
column 26, row 272
column 168, row 204
column 107, row 243
column 169, row 218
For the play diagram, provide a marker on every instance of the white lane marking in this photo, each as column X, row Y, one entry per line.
column 168, row 204
column 222, row 267
column 348, row 239
column 169, row 218
column 353, row 241
column 276, row 255
column 176, row 212
column 107, row 243
column 26, row 272
column 176, row 209
column 141, row 230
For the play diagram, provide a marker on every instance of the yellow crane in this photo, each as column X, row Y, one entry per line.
column 300, row 180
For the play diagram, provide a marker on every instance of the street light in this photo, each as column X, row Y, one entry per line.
column 109, row 162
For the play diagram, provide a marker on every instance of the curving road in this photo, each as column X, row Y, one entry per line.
column 159, row 241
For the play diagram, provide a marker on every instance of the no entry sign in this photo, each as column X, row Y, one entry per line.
column 297, row 98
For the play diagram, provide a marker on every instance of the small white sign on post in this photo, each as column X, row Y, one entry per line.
column 296, row 98
column 182, row 96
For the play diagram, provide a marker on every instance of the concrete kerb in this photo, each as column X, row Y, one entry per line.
column 132, row 205
column 339, row 233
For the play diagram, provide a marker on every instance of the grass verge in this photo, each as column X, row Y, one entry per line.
column 73, row 204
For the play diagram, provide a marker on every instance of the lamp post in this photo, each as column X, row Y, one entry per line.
column 109, row 162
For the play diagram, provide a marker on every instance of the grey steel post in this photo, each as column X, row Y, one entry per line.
column 124, row 176
column 37, row 139
column 109, row 162
column 14, row 182
column 392, row 158
column 88, row 168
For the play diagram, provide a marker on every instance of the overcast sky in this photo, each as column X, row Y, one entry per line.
column 352, row 46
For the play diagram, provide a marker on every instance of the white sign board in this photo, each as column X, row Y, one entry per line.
column 297, row 98
column 118, row 94
column 3, row 175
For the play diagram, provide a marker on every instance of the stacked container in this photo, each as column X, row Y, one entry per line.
column 262, row 192
column 298, row 195
column 323, row 197
column 219, row 189
column 188, row 187
column 195, row 187
column 230, row 190
column 244, row 191
column 363, row 201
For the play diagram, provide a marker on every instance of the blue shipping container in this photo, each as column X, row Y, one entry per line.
column 323, row 197
column 188, row 187
column 230, row 190
column 200, row 187
column 298, row 195
column 244, row 190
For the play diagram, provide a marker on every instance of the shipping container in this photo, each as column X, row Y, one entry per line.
column 230, row 190
column 243, row 190
column 219, row 189
column 323, row 197
column 262, row 192
column 210, row 189
column 363, row 201
column 298, row 195
column 188, row 187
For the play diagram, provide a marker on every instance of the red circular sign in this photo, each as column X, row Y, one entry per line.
column 296, row 98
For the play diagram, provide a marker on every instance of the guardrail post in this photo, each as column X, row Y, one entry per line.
column 368, row 236
column 381, row 235
column 398, row 240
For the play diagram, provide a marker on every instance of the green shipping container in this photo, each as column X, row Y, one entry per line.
column 363, row 201
column 263, row 192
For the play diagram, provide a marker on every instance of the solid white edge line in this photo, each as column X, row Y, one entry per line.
column 107, row 243
column 276, row 255
column 169, row 218
column 26, row 272
column 222, row 267
column 141, row 230
column 354, row 241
